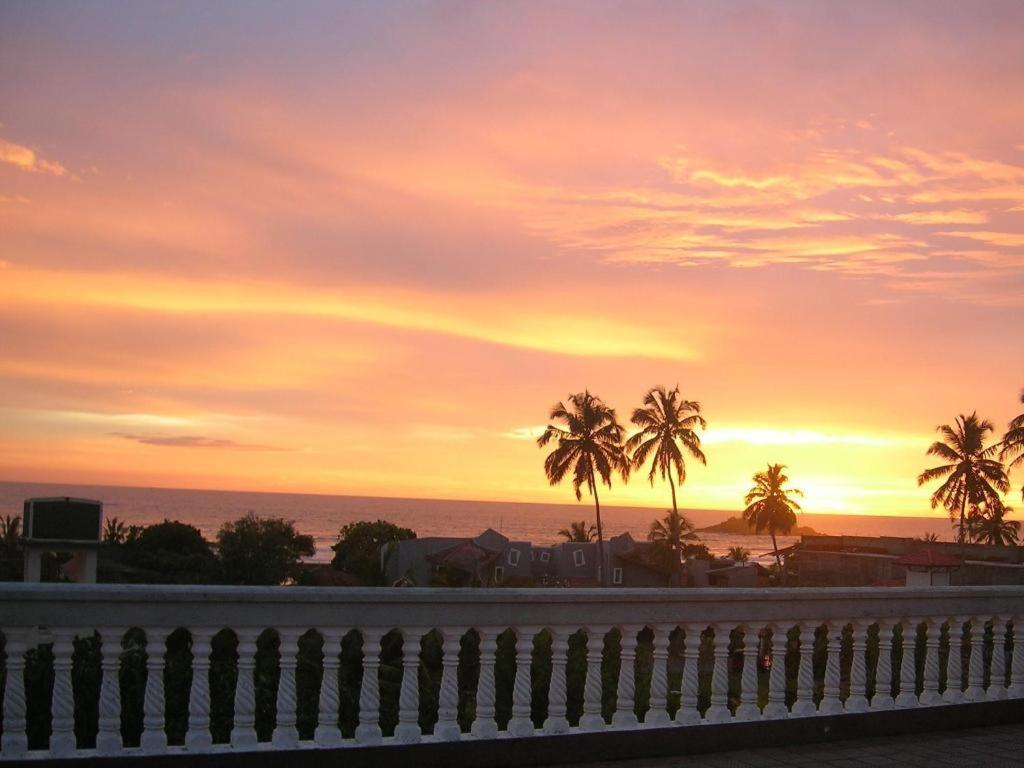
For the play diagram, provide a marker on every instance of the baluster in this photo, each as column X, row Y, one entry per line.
column 368, row 730
column 830, row 704
column 930, row 691
column 776, row 706
column 447, row 728
column 625, row 694
column 804, row 704
column 657, row 713
column 975, row 635
column 243, row 732
column 154, row 737
column 108, row 737
column 592, row 719
column 484, row 726
column 908, row 673
column 954, row 662
column 857, row 701
column 520, row 724
column 14, row 742
column 408, row 729
column 286, row 734
column 688, row 714
column 748, row 710
column 62, row 736
column 1016, row 689
column 556, row 721
column 882, row 698
column 719, row 712
column 198, row 735
column 997, row 675
column 327, row 733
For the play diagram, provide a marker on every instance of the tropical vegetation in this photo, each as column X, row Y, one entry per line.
column 588, row 444
column 668, row 537
column 973, row 476
column 771, row 506
column 1012, row 447
column 579, row 532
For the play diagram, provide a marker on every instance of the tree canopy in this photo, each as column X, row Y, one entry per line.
column 358, row 549
column 262, row 550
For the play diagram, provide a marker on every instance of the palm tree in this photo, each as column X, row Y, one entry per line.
column 1013, row 444
column 929, row 537
column 668, row 537
column 114, row 531
column 10, row 533
column 991, row 526
column 588, row 443
column 667, row 426
column 578, row 531
column 770, row 508
column 739, row 554
column 973, row 474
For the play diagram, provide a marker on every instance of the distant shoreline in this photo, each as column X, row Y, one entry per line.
column 737, row 526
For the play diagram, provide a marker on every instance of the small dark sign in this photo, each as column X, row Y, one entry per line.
column 63, row 519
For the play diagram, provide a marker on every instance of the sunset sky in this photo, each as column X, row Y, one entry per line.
column 363, row 248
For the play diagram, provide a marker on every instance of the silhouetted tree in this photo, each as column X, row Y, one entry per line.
column 739, row 554
column 929, row 537
column 770, row 506
column 170, row 553
column 1012, row 450
column 358, row 551
column 115, row 532
column 990, row 526
column 578, row 531
column 973, row 475
column 668, row 427
column 261, row 550
column 669, row 537
column 588, row 443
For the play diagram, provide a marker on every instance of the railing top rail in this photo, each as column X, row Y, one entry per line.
column 74, row 605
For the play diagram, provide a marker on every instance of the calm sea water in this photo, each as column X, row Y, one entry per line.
column 322, row 516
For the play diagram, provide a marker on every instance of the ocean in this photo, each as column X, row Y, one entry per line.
column 322, row 516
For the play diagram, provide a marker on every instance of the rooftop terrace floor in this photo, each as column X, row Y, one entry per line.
column 995, row 746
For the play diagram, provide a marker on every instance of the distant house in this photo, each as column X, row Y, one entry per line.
column 492, row 559
column 856, row 561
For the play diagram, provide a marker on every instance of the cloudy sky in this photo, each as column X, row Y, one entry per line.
column 364, row 248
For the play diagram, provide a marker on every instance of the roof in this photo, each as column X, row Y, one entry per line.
column 928, row 558
column 466, row 556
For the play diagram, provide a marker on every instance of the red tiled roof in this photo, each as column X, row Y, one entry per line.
column 928, row 558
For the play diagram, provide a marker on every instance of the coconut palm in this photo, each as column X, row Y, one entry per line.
column 929, row 537
column 739, row 554
column 668, row 427
column 588, row 444
column 579, row 532
column 114, row 531
column 991, row 526
column 669, row 536
column 10, row 533
column 770, row 506
column 973, row 475
column 1012, row 450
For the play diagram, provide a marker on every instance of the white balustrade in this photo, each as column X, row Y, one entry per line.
column 37, row 615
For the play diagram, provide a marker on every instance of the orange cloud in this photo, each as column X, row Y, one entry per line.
column 25, row 159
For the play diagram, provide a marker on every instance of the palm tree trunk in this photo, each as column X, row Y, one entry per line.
column 600, row 532
column 677, row 567
column 778, row 558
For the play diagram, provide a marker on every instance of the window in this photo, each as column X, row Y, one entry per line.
column 616, row 575
column 513, row 557
column 533, row 555
column 578, row 558
column 499, row 574
column 545, row 557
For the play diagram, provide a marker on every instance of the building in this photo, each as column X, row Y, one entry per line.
column 858, row 561
column 492, row 559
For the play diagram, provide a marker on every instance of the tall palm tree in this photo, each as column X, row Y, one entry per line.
column 992, row 527
column 1013, row 444
column 668, row 427
column 770, row 506
column 739, row 554
column 578, row 532
column 669, row 536
column 973, row 475
column 588, row 443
